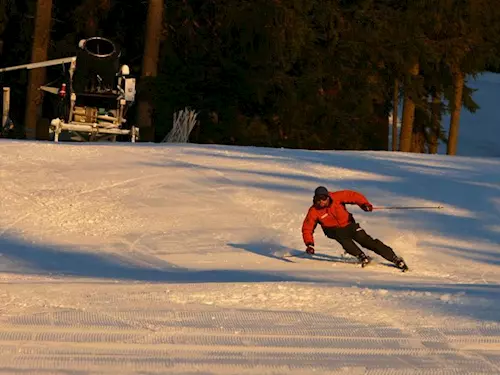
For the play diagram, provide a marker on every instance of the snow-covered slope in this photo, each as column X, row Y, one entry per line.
column 169, row 259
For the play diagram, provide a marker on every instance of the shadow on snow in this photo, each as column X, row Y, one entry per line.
column 24, row 258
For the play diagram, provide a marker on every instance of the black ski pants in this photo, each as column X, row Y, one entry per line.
column 353, row 232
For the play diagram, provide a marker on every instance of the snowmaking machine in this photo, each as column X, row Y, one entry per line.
column 92, row 102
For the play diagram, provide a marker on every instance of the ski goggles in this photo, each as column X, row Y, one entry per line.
column 320, row 198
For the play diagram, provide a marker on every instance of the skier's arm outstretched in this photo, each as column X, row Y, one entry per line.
column 352, row 197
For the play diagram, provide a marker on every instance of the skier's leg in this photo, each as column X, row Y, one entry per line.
column 344, row 236
column 375, row 245
column 350, row 247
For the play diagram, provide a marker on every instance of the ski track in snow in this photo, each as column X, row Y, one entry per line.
column 169, row 259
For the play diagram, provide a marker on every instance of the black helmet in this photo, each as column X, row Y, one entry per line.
column 320, row 192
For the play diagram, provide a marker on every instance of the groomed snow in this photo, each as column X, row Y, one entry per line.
column 121, row 258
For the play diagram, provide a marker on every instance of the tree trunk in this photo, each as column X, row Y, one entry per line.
column 408, row 115
column 379, row 123
column 395, row 114
column 458, row 88
column 435, row 123
column 150, row 67
column 3, row 22
column 418, row 138
column 418, row 142
column 89, row 14
column 36, row 77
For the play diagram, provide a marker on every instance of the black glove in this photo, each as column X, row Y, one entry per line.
column 367, row 207
column 310, row 249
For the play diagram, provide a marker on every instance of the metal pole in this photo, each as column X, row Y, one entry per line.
column 40, row 64
column 6, row 106
column 407, row 208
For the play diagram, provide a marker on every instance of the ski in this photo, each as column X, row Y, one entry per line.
column 341, row 259
column 322, row 257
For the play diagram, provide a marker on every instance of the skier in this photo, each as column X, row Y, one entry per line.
column 329, row 211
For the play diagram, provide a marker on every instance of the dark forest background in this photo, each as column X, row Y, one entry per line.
column 321, row 74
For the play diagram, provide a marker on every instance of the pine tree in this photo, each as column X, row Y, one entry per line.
column 307, row 73
column 463, row 35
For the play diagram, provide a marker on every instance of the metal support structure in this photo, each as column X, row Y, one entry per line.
column 41, row 64
column 6, row 106
column 57, row 126
column 84, row 120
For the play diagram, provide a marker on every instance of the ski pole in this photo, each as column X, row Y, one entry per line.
column 407, row 208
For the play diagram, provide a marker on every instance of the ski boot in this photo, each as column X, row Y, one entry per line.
column 400, row 263
column 364, row 260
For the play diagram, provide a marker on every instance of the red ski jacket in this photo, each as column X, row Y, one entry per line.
column 333, row 216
